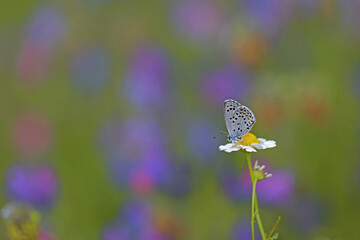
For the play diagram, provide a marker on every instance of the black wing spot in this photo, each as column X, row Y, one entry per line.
column 238, row 128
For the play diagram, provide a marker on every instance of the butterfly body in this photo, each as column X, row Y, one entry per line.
column 239, row 120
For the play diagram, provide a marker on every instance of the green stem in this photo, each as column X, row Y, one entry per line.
column 253, row 210
column 257, row 213
column 273, row 229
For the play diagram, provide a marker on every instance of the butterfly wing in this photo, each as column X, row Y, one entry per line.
column 239, row 119
column 230, row 106
column 244, row 120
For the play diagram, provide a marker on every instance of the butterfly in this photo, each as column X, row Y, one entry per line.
column 239, row 120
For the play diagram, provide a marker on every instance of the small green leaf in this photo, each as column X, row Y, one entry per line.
column 274, row 237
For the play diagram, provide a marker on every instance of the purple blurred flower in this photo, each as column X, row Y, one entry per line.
column 141, row 174
column 135, row 222
column 36, row 185
column 118, row 231
column 224, row 83
column 90, row 69
column 136, row 213
column 46, row 27
column 200, row 140
column 143, row 134
column 306, row 214
column 147, row 77
column 268, row 16
column 180, row 180
column 242, row 230
column 45, row 31
column 137, row 154
column 307, row 6
column 277, row 190
column 197, row 19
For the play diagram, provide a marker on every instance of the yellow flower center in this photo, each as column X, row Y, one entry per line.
column 248, row 139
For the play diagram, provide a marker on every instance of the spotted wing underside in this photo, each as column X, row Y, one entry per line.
column 239, row 119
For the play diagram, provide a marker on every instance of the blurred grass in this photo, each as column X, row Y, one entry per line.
column 324, row 156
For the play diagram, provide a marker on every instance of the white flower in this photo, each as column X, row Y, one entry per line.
column 259, row 173
column 250, row 144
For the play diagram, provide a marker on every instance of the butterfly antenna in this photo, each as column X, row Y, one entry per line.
column 222, row 131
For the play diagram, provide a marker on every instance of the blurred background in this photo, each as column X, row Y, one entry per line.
column 108, row 111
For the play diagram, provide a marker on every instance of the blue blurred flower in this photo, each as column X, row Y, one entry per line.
column 197, row 19
column 36, row 185
column 90, row 69
column 224, row 83
column 46, row 27
column 232, row 183
column 147, row 77
column 201, row 140
column 242, row 230
column 268, row 16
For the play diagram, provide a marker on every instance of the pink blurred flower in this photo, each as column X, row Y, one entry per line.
column 32, row 134
column 33, row 63
column 45, row 235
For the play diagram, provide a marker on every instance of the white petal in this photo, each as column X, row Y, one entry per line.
column 230, row 147
column 266, row 143
column 270, row 144
column 249, row 149
column 258, row 145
